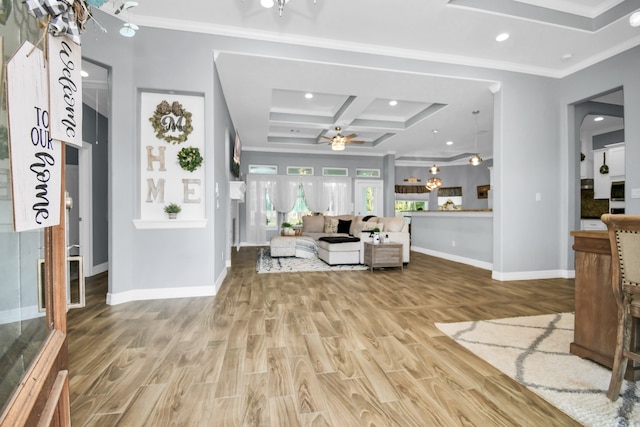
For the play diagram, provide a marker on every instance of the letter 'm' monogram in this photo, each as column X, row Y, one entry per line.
column 155, row 192
column 159, row 158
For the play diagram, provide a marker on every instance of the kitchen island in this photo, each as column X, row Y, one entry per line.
column 464, row 236
column 595, row 306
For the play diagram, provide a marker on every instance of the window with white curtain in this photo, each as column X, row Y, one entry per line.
column 292, row 197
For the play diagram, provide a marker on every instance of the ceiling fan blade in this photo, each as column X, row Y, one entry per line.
column 354, row 142
column 322, row 142
column 326, row 137
column 353, row 135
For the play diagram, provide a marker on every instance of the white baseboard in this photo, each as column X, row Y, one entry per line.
column 161, row 293
column 221, row 278
column 496, row 275
column 254, row 244
column 18, row 314
column 100, row 268
column 456, row 258
column 533, row 275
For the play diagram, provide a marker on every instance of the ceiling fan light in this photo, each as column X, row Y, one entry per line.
column 338, row 146
column 434, row 169
column 267, row 3
column 634, row 19
column 127, row 31
column 132, row 26
column 475, row 160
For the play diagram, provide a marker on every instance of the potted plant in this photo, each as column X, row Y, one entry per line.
column 375, row 236
column 287, row 229
column 172, row 210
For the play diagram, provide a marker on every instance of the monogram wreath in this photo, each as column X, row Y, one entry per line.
column 163, row 123
column 190, row 158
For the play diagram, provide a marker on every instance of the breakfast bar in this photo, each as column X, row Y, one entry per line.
column 595, row 306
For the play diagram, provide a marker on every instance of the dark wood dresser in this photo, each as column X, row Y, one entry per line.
column 596, row 311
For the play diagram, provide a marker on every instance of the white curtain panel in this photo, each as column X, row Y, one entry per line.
column 284, row 193
column 315, row 196
column 256, row 212
column 339, row 193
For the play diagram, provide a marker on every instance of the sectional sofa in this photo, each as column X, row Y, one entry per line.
column 392, row 229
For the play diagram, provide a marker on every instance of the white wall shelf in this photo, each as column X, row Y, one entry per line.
column 142, row 224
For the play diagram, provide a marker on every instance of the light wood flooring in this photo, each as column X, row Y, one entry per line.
column 318, row 349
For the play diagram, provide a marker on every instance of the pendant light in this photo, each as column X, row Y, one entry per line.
column 475, row 160
column 433, row 184
column 434, row 169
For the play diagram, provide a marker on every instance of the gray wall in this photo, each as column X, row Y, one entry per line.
column 100, row 176
column 466, row 237
column 535, row 154
column 620, row 70
column 155, row 59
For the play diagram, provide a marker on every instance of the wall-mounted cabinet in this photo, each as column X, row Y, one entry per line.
column 615, row 158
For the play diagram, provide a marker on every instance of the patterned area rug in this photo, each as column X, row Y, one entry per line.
column 266, row 264
column 535, row 352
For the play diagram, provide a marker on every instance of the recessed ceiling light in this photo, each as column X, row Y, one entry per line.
column 567, row 56
column 267, row 3
column 634, row 19
column 449, row 142
column 502, row 37
column 435, row 131
column 308, row 95
column 598, row 119
column 83, row 73
column 393, row 103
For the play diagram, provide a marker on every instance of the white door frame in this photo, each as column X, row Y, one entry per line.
column 85, row 206
column 378, row 187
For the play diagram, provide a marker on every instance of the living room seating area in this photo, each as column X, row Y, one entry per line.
column 340, row 239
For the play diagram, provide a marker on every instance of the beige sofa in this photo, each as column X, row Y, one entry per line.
column 393, row 229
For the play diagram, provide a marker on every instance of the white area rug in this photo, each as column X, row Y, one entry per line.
column 535, row 352
column 266, row 264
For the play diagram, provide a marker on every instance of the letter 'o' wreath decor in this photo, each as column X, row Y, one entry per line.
column 163, row 122
column 190, row 158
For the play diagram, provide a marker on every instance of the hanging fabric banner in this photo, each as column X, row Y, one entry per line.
column 65, row 90
column 36, row 168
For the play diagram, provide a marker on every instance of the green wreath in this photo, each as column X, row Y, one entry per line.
column 162, row 122
column 190, row 158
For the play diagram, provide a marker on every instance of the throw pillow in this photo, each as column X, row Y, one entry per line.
column 313, row 223
column 369, row 226
column 343, row 226
column 393, row 224
column 330, row 224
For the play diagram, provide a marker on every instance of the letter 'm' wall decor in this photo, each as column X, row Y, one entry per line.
column 171, row 144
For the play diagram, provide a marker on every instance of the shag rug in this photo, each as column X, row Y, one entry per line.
column 266, row 264
column 535, row 352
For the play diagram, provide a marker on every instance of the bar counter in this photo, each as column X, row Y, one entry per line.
column 595, row 306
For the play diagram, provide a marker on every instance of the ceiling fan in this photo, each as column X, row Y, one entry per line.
column 338, row 141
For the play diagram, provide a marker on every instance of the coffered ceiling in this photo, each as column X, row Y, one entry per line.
column 265, row 94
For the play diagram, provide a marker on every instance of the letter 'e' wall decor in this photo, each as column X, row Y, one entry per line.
column 172, row 166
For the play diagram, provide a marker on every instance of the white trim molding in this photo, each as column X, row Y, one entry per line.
column 456, row 258
column 161, row 293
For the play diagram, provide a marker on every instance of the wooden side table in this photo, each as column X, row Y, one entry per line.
column 383, row 255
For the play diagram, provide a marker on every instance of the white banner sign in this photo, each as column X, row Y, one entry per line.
column 36, row 167
column 65, row 97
